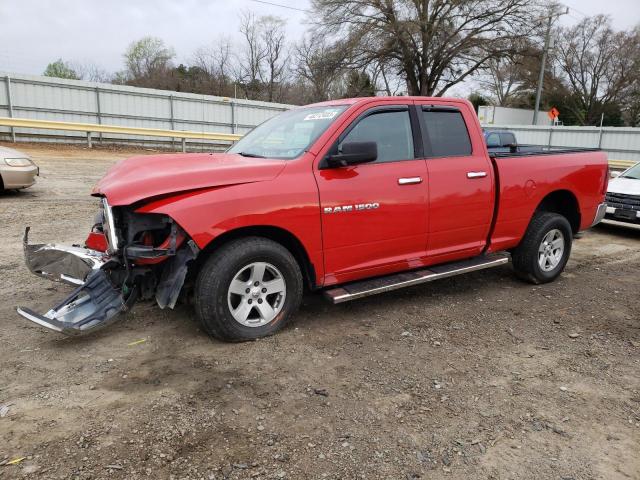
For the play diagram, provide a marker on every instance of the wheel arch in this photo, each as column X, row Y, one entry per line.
column 565, row 203
column 277, row 234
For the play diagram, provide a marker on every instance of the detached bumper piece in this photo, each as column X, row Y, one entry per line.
column 94, row 304
column 62, row 263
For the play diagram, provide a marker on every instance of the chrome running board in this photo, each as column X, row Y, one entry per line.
column 364, row 288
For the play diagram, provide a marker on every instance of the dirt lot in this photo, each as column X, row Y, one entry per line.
column 479, row 376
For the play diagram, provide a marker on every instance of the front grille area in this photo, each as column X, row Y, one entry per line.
column 621, row 200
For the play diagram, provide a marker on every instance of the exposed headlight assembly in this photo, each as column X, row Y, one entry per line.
column 18, row 162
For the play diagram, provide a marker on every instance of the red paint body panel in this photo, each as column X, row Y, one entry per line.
column 372, row 241
column 395, row 231
column 289, row 202
column 460, row 208
column 148, row 176
column 525, row 181
column 446, row 217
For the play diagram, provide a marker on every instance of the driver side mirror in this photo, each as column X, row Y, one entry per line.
column 614, row 174
column 354, row 153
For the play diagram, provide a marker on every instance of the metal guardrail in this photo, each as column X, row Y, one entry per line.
column 90, row 128
column 621, row 164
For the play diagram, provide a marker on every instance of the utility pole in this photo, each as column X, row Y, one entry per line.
column 547, row 41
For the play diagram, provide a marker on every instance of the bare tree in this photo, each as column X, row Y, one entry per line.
column 598, row 64
column 511, row 79
column 433, row 44
column 631, row 106
column 630, row 97
column 92, row 72
column 218, row 63
column 318, row 64
column 273, row 37
column 253, row 55
column 385, row 79
column 503, row 80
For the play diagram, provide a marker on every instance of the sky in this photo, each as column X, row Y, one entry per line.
column 36, row 32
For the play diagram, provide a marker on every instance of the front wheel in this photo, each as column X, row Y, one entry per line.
column 247, row 289
column 545, row 248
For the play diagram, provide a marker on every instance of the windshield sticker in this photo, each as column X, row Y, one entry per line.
column 326, row 115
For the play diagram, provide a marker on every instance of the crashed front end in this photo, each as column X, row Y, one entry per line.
column 127, row 256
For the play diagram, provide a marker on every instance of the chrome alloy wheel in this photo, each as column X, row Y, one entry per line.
column 551, row 250
column 256, row 294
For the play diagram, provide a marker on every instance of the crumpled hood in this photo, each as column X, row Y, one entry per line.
column 627, row 186
column 147, row 176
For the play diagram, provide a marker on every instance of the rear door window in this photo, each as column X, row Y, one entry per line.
column 447, row 133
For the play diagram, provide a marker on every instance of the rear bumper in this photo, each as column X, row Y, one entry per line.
column 600, row 213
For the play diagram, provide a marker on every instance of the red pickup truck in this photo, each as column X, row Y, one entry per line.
column 352, row 197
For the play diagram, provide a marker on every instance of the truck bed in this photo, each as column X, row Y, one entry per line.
column 526, row 178
column 528, row 150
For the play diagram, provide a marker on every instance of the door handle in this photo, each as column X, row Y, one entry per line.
column 476, row 174
column 409, row 180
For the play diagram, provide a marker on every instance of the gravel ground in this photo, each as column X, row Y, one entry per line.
column 479, row 376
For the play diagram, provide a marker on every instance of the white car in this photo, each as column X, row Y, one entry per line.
column 17, row 170
column 623, row 196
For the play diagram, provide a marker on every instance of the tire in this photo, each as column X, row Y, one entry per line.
column 242, row 311
column 536, row 261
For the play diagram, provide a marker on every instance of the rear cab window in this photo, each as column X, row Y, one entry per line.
column 446, row 133
column 507, row 139
column 493, row 140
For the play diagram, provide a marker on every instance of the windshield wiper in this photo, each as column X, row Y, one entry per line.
column 251, row 155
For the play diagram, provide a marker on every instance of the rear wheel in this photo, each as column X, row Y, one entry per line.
column 545, row 248
column 248, row 289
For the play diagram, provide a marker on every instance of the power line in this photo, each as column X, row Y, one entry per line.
column 577, row 19
column 575, row 10
column 282, row 6
column 578, row 11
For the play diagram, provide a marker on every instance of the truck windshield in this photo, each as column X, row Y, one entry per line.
column 289, row 134
column 633, row 172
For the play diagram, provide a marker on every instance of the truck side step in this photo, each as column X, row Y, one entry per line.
column 364, row 288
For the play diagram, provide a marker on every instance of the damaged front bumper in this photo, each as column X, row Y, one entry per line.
column 107, row 284
column 94, row 303
column 62, row 263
